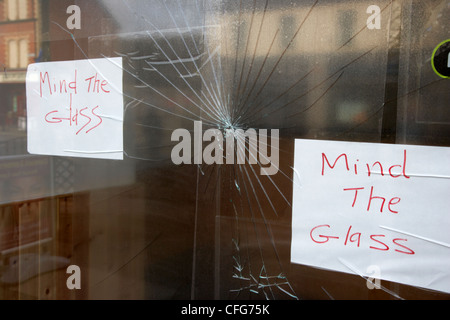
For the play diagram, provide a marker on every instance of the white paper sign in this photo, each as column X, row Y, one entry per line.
column 75, row 108
column 359, row 207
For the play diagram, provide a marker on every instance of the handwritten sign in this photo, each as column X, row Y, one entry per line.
column 75, row 108
column 359, row 205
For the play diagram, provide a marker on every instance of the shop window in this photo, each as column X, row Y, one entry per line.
column 146, row 228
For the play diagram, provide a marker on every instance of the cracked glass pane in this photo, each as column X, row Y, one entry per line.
column 215, row 94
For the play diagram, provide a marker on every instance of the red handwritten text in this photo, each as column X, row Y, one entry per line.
column 95, row 84
column 85, row 117
column 393, row 201
column 52, row 86
column 356, row 239
column 343, row 159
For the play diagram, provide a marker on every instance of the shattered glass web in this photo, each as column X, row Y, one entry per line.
column 227, row 64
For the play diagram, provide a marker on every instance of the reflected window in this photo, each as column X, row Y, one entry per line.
column 17, row 9
column 13, row 54
column 241, row 35
column 287, row 30
column 23, row 53
column 18, row 53
column 23, row 12
column 346, row 26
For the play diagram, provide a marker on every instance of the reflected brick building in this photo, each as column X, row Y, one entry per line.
column 19, row 46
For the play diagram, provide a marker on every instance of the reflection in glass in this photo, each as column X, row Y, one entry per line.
column 145, row 228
